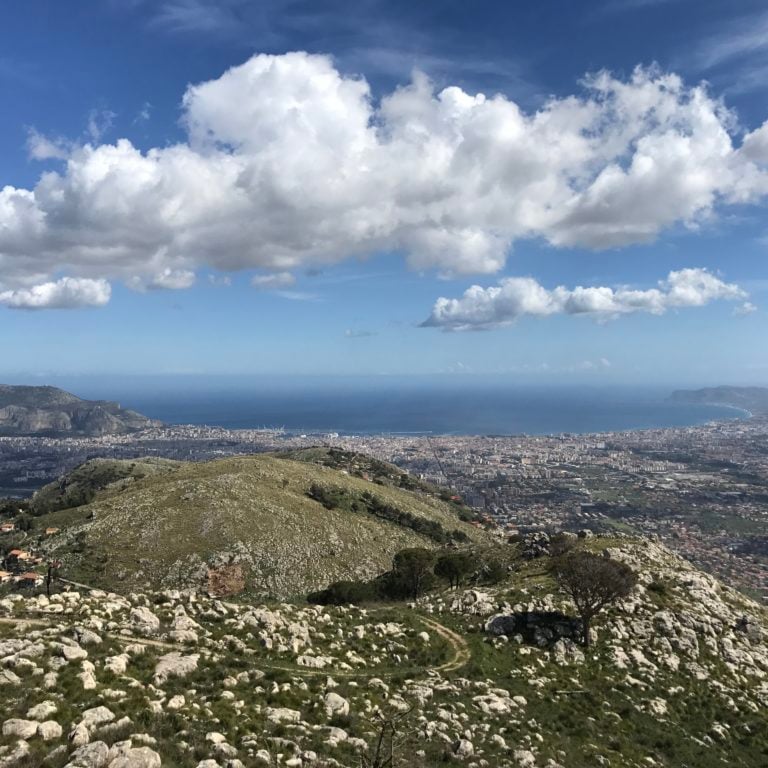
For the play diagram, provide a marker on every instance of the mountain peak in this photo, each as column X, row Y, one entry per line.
column 48, row 411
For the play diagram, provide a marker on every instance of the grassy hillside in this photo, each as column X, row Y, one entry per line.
column 361, row 465
column 81, row 485
column 167, row 528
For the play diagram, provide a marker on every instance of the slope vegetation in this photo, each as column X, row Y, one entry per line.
column 255, row 514
column 82, row 484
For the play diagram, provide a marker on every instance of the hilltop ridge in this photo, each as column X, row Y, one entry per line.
column 81, row 485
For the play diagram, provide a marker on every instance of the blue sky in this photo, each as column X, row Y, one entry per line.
column 183, row 195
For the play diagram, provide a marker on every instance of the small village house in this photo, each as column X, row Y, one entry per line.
column 29, row 579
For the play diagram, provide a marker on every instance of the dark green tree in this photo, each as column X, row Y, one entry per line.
column 454, row 567
column 413, row 568
column 493, row 571
column 593, row 583
column 25, row 523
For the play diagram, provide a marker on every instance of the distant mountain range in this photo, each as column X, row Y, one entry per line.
column 48, row 411
column 754, row 399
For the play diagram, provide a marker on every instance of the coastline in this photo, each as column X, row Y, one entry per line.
column 408, row 413
column 338, row 432
column 749, row 414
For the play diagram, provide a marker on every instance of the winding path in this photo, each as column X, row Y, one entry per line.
column 461, row 652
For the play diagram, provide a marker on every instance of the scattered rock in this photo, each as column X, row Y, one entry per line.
column 174, row 665
column 79, row 735
column 49, row 730
column 92, row 755
column 464, row 748
column 175, row 703
column 283, row 715
column 524, row 758
column 335, row 705
column 139, row 757
column 22, row 729
column 117, row 665
column 73, row 652
column 42, row 711
column 7, row 677
column 97, row 716
column 144, row 622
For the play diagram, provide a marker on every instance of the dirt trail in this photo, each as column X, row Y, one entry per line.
column 23, row 622
column 461, row 652
column 461, row 655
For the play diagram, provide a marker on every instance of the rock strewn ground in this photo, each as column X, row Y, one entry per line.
column 677, row 676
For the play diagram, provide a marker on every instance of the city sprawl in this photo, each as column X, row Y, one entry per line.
column 701, row 489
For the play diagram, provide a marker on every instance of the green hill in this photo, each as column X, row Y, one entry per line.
column 285, row 527
column 81, row 485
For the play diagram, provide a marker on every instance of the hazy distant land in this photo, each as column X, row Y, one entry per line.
column 752, row 399
column 53, row 412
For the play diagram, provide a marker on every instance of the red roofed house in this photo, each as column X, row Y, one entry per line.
column 29, row 579
column 18, row 557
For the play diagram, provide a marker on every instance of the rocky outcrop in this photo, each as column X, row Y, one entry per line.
column 22, row 729
column 53, row 412
column 543, row 628
column 94, row 755
column 335, row 705
column 139, row 757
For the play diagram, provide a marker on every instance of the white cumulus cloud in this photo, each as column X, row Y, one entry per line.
column 166, row 279
column 755, row 145
column 747, row 308
column 289, row 163
column 44, row 148
column 273, row 282
column 483, row 308
column 65, row 293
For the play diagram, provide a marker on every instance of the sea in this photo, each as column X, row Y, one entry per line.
column 389, row 406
